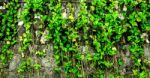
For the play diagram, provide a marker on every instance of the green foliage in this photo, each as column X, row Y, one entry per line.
column 104, row 25
column 37, row 66
column 8, row 30
column 25, row 65
column 40, row 53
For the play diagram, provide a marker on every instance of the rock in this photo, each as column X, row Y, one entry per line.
column 49, row 50
column 145, row 37
column 147, row 51
column 38, row 24
column 47, row 62
column 37, row 36
column 64, row 14
column 86, row 49
column 44, row 38
column 12, row 75
column 37, row 16
column 15, row 62
column 124, row 8
column 2, row 7
column 20, row 23
column 126, row 56
column 121, row 17
column 127, row 61
column 76, row 7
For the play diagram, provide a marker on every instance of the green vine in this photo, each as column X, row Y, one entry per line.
column 8, row 30
column 101, row 28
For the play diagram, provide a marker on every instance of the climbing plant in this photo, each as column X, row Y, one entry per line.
column 8, row 30
column 105, row 26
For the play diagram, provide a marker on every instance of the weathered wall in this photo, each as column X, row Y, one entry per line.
column 46, row 60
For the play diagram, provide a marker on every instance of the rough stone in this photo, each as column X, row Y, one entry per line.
column 85, row 49
column 37, row 34
column 2, row 7
column 126, row 56
column 47, row 62
column 44, row 39
column 15, row 62
column 147, row 51
column 12, row 75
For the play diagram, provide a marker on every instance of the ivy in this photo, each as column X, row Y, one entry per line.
column 104, row 26
column 8, row 30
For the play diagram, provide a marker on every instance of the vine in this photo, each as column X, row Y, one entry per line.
column 8, row 30
column 102, row 29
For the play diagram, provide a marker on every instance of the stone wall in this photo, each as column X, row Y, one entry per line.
column 41, row 44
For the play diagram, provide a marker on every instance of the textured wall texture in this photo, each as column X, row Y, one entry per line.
column 37, row 48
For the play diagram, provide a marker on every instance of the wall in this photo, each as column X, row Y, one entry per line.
column 41, row 51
